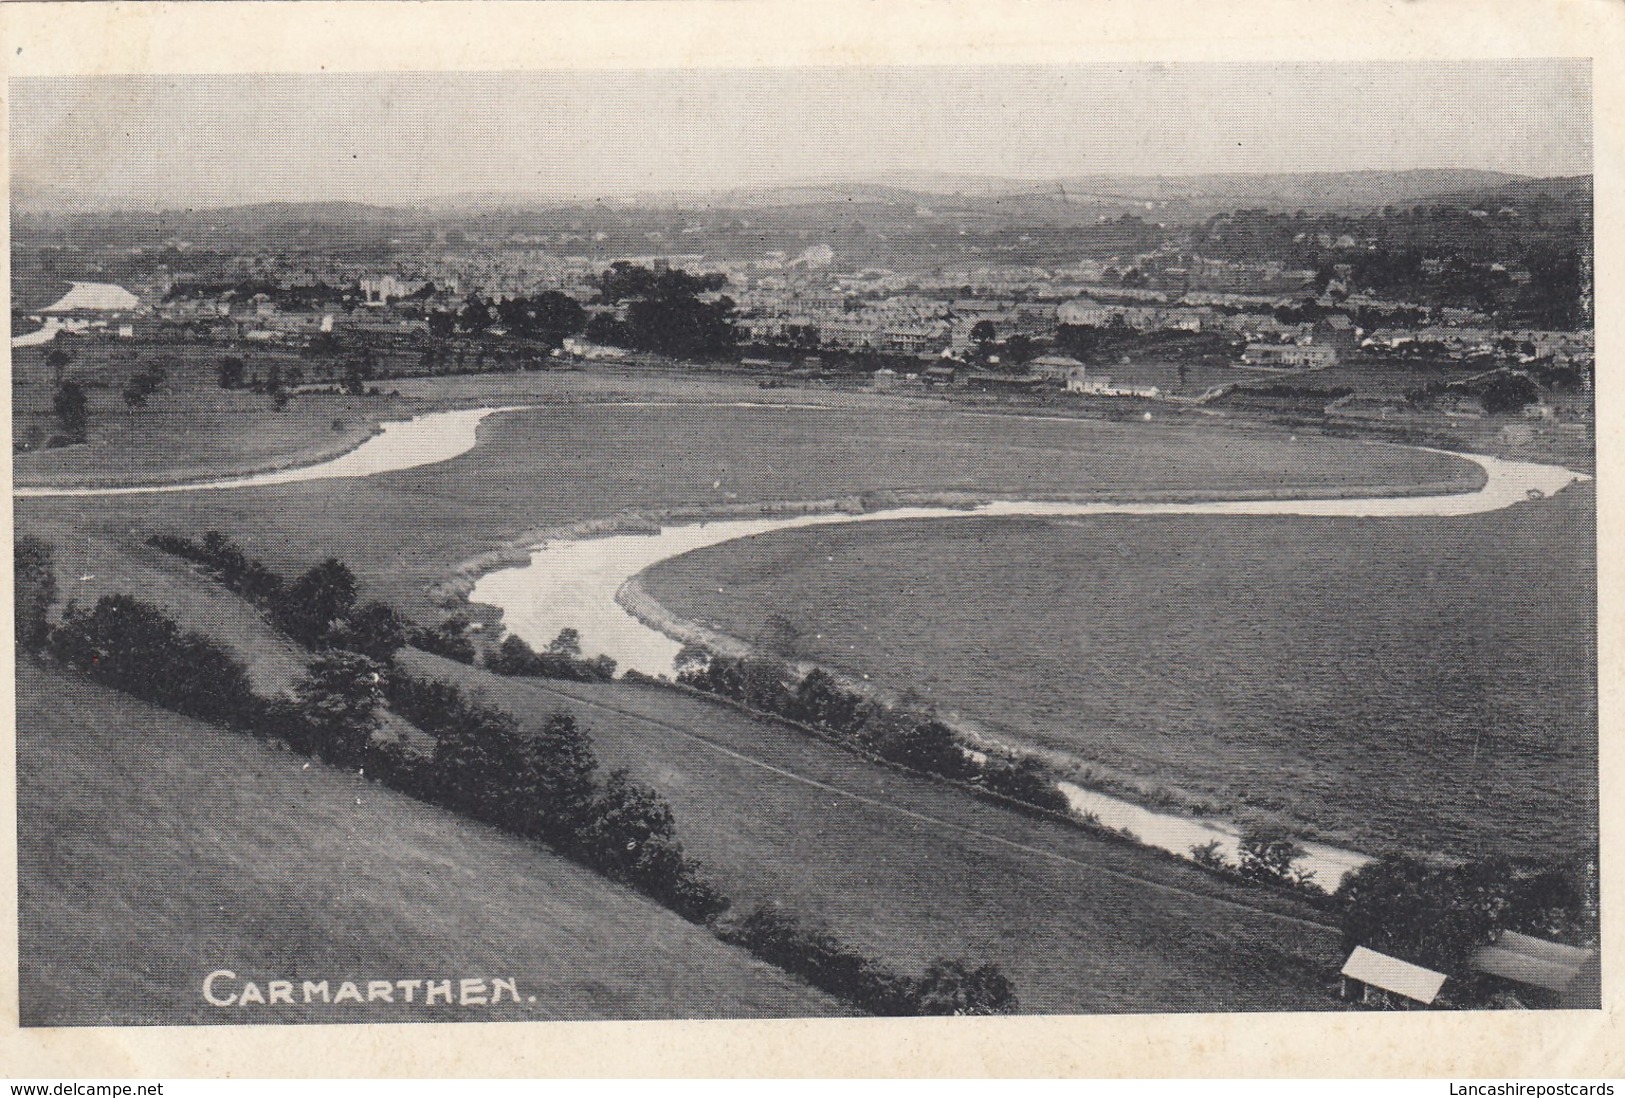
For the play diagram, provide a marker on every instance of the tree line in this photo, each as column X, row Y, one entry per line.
column 669, row 312
column 541, row 784
column 898, row 734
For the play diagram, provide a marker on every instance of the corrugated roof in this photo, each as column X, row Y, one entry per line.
column 1532, row 961
column 1391, row 974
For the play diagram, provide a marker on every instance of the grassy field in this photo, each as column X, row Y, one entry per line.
column 88, row 568
column 909, row 870
column 153, row 850
column 190, row 429
column 403, row 531
column 1394, row 683
column 902, row 867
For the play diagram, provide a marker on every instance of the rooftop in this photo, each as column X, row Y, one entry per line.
column 1391, row 974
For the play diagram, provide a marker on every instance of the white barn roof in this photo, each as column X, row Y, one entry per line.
column 95, row 297
column 1391, row 974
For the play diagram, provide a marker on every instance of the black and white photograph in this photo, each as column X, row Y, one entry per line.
column 790, row 542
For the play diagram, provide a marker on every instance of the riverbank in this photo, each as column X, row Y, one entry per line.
column 390, row 447
column 569, row 583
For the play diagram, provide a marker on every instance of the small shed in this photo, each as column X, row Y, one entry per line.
column 1376, row 979
column 1569, row 972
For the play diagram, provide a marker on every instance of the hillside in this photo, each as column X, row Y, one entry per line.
column 153, row 850
column 908, row 869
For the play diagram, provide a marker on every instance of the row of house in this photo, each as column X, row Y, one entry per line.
column 1328, row 340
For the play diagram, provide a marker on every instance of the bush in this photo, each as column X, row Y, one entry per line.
column 448, row 639
column 954, row 988
column 35, row 589
column 132, row 646
column 1025, row 780
column 562, row 660
column 338, row 699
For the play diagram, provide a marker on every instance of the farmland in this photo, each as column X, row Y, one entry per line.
column 401, row 532
column 903, row 868
column 223, row 853
column 908, row 869
column 189, row 429
column 1336, row 674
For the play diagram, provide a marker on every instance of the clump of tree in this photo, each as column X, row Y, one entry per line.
column 35, row 590
column 143, row 384
column 948, row 987
column 449, row 639
column 1508, row 392
column 547, row 318
column 1023, row 779
column 1438, row 915
column 72, row 411
column 542, row 784
column 132, row 646
column 562, row 659
column 670, row 312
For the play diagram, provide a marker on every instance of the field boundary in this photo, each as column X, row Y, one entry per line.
column 979, row 793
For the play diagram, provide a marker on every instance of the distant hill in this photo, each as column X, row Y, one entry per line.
column 1176, row 196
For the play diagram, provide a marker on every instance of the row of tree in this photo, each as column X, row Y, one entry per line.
column 913, row 739
column 541, row 784
column 561, row 659
column 319, row 608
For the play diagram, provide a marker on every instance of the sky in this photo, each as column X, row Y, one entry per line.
column 177, row 141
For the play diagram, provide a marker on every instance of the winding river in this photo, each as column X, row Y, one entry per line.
column 584, row 584
column 402, row 444
column 580, row 583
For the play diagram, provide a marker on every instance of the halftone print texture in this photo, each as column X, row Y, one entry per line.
column 773, row 543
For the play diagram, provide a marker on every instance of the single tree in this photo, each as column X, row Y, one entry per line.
column 316, row 601
column 72, row 411
column 35, row 589
column 338, row 699
column 230, row 372
column 58, row 360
